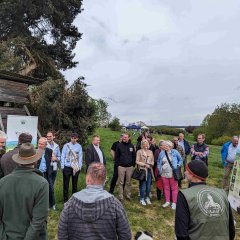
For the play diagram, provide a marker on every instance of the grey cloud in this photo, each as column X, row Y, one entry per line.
column 175, row 75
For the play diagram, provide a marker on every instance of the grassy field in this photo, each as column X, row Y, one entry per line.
column 159, row 221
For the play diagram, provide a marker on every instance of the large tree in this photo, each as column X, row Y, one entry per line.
column 41, row 33
column 64, row 108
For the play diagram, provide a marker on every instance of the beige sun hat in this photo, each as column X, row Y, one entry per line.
column 27, row 154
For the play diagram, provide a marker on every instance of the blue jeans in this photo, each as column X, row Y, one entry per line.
column 146, row 185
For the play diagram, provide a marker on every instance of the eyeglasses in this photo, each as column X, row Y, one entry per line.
column 73, row 137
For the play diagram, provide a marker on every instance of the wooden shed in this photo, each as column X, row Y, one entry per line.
column 13, row 95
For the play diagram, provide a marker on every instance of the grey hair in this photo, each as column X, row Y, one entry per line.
column 168, row 143
column 235, row 137
column 3, row 135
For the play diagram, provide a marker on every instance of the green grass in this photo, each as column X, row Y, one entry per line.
column 153, row 218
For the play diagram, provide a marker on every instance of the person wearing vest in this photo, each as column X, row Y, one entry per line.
column 200, row 150
column 203, row 212
column 44, row 165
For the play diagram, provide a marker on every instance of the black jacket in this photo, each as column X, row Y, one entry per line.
column 187, row 147
column 48, row 157
column 91, row 155
column 125, row 155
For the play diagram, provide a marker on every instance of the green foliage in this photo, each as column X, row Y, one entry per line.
column 224, row 121
column 64, row 109
column 8, row 60
column 114, row 125
column 190, row 129
column 41, row 33
column 221, row 140
column 103, row 116
column 167, row 130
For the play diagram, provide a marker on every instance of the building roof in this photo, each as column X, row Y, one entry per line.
column 6, row 75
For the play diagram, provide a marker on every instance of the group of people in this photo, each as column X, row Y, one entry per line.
column 28, row 176
column 159, row 162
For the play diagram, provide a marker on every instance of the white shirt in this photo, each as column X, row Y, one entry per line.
column 99, row 152
column 181, row 143
column 231, row 157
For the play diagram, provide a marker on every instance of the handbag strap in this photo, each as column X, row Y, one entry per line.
column 169, row 160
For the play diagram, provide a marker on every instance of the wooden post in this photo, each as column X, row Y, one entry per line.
column 1, row 123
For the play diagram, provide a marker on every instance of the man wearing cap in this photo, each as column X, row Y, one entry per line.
column 7, row 164
column 71, row 164
column 203, row 212
column 24, row 198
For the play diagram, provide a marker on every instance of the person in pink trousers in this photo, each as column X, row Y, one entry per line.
column 166, row 172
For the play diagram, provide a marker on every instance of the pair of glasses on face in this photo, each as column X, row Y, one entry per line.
column 73, row 138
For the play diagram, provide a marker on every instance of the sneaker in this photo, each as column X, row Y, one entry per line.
column 166, row 204
column 148, row 201
column 143, row 202
column 173, row 206
column 54, row 208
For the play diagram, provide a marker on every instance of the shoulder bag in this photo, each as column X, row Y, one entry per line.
column 177, row 173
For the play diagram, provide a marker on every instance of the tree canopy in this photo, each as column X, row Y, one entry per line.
column 41, row 33
column 223, row 123
column 64, row 109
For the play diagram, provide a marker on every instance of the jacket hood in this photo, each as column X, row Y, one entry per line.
column 90, row 212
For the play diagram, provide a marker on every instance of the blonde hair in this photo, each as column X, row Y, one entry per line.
column 144, row 141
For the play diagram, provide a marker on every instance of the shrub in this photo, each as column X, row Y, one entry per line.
column 221, row 140
column 190, row 129
column 114, row 125
column 167, row 130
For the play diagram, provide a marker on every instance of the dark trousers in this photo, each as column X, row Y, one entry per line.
column 114, row 179
column 51, row 177
column 67, row 173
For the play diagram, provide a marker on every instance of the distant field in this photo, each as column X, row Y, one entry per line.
column 153, row 218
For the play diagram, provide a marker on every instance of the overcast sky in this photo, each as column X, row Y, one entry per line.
column 160, row 61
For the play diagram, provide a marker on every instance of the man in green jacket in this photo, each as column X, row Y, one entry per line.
column 203, row 212
column 24, row 198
